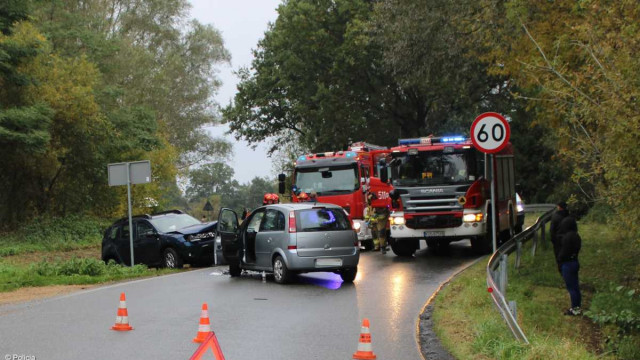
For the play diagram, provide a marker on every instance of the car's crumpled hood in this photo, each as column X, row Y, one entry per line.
column 196, row 229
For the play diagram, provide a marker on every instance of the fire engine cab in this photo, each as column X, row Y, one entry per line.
column 441, row 194
column 343, row 178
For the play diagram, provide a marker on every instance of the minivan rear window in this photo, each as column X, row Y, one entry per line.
column 322, row 219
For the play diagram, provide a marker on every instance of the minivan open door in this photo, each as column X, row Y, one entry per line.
column 227, row 229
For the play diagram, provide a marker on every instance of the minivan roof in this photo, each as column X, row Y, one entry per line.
column 302, row 206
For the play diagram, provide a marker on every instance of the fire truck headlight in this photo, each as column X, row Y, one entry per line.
column 356, row 226
column 472, row 217
column 397, row 220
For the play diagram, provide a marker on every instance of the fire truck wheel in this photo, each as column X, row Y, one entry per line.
column 367, row 244
column 482, row 245
column 404, row 248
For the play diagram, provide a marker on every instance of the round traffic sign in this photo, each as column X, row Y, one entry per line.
column 490, row 132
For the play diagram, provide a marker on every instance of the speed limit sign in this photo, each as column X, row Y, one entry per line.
column 490, row 132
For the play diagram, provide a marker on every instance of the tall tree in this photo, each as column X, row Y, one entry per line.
column 210, row 179
column 151, row 56
column 316, row 79
column 431, row 48
column 428, row 49
column 584, row 79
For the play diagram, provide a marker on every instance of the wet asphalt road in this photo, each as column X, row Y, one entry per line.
column 316, row 317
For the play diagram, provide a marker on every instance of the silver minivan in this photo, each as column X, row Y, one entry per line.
column 290, row 238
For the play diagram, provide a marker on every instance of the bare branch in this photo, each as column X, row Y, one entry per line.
column 552, row 69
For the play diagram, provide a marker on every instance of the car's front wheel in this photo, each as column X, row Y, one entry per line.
column 171, row 259
column 281, row 274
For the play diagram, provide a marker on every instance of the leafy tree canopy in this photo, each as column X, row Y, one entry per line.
column 577, row 65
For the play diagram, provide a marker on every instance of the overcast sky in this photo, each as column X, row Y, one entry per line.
column 242, row 23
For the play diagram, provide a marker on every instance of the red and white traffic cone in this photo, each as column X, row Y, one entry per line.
column 204, row 328
column 122, row 318
column 365, row 352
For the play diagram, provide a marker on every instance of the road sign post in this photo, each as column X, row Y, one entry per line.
column 490, row 133
column 127, row 173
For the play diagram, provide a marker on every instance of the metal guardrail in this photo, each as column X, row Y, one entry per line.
column 499, row 261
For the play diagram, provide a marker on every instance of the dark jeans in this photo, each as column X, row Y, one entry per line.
column 570, row 274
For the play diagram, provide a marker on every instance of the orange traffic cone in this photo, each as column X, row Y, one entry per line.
column 122, row 319
column 204, row 329
column 364, row 344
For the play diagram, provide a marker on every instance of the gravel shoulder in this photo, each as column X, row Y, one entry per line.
column 37, row 293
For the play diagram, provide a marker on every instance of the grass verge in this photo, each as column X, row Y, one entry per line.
column 63, row 251
column 470, row 327
column 53, row 234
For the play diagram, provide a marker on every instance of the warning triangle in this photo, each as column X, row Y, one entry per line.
column 210, row 342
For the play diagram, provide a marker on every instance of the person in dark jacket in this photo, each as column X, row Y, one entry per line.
column 567, row 258
column 556, row 219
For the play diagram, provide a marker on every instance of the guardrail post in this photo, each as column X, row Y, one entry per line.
column 504, row 261
column 514, row 309
column 534, row 244
column 518, row 253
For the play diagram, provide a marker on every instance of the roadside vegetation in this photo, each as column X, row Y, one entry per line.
column 61, row 251
column 470, row 326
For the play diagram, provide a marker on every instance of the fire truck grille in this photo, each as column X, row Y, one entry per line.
column 431, row 203
column 433, row 221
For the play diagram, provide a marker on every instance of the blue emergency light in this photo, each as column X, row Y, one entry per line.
column 409, row 141
column 350, row 154
column 452, row 139
column 433, row 140
column 302, row 158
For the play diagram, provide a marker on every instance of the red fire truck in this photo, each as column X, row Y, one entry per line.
column 441, row 194
column 344, row 178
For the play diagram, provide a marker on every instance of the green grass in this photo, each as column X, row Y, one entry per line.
column 470, row 326
column 48, row 234
column 62, row 251
column 75, row 271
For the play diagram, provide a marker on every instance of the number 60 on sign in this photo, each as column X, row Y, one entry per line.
column 490, row 132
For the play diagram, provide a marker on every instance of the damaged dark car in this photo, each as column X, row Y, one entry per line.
column 167, row 239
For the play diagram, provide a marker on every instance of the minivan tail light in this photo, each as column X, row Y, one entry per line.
column 292, row 222
column 292, row 247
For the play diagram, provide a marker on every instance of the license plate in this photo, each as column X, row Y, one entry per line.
column 328, row 262
column 433, row 233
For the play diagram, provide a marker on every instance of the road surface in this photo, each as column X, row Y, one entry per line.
column 316, row 317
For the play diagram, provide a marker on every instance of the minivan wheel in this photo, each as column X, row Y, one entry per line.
column 281, row 273
column 348, row 275
column 171, row 259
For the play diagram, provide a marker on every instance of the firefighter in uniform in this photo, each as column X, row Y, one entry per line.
column 377, row 220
